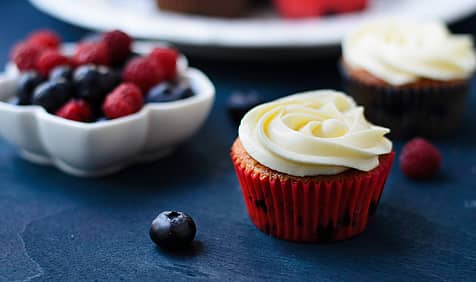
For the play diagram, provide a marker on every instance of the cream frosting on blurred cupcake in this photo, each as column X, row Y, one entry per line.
column 411, row 76
column 403, row 51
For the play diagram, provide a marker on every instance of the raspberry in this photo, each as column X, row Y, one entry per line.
column 95, row 53
column 25, row 56
column 126, row 99
column 143, row 72
column 166, row 58
column 119, row 44
column 44, row 38
column 313, row 8
column 299, row 9
column 419, row 159
column 78, row 110
column 50, row 59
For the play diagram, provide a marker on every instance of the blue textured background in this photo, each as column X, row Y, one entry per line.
column 55, row 227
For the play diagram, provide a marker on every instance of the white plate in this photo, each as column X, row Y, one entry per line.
column 257, row 32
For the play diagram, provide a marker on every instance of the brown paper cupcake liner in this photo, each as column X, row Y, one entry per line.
column 428, row 110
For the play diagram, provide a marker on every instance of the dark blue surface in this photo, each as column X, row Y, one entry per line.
column 56, row 227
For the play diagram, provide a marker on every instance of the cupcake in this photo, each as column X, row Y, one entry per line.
column 313, row 8
column 219, row 8
column 412, row 77
column 311, row 167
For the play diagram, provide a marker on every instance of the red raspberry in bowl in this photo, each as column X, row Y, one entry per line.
column 119, row 44
column 419, row 159
column 96, row 53
column 25, row 56
column 166, row 58
column 78, row 110
column 124, row 100
column 44, row 38
column 49, row 59
column 143, row 72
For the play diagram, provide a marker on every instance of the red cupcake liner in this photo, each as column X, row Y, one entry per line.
column 312, row 8
column 331, row 209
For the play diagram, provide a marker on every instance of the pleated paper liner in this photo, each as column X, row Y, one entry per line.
column 427, row 110
column 309, row 209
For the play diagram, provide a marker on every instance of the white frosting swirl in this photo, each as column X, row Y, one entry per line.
column 314, row 133
column 400, row 52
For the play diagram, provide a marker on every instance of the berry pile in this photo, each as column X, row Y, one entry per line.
column 103, row 79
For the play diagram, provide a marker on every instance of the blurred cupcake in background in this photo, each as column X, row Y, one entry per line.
column 219, row 8
column 311, row 167
column 410, row 76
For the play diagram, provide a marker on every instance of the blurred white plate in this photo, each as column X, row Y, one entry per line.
column 255, row 34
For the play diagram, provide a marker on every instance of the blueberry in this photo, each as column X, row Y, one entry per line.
column 87, row 81
column 59, row 72
column 51, row 95
column 173, row 229
column 109, row 80
column 26, row 85
column 93, row 83
column 239, row 103
column 168, row 92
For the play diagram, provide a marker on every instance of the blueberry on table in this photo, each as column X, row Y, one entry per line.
column 65, row 72
column 27, row 83
column 239, row 103
column 168, row 92
column 51, row 95
column 173, row 229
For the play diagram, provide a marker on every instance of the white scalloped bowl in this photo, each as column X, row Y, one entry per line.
column 101, row 148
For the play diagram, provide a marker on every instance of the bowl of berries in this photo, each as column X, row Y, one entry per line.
column 98, row 106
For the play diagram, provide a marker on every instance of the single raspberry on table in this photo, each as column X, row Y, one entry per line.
column 49, row 59
column 78, row 110
column 96, row 53
column 119, row 44
column 419, row 159
column 25, row 56
column 166, row 59
column 124, row 100
column 44, row 38
column 143, row 72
